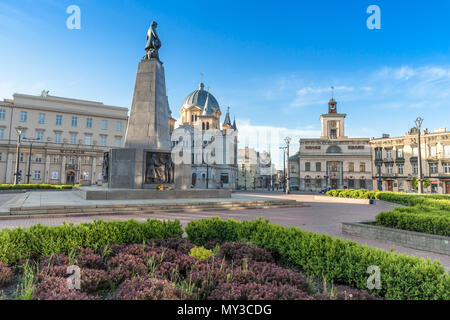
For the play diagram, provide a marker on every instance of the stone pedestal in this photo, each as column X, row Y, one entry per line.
column 183, row 176
column 148, row 125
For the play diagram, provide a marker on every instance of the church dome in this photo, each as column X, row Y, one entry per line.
column 199, row 97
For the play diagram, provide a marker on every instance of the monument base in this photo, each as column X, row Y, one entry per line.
column 103, row 193
column 128, row 168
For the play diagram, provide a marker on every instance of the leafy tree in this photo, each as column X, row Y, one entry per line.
column 415, row 183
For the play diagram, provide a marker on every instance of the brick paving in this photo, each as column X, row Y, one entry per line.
column 319, row 216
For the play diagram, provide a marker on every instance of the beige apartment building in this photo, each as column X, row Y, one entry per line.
column 68, row 137
column 395, row 161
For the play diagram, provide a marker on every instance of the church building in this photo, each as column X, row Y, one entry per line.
column 333, row 160
column 200, row 110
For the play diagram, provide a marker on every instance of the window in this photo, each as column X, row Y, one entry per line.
column 400, row 168
column 89, row 123
column 318, row 166
column 2, row 114
column 85, row 175
column 224, row 178
column 447, row 151
column 415, row 152
column 23, row 135
column 1, row 156
column 351, row 184
column 362, row 184
column 58, row 120
column 389, row 154
column 351, row 167
column 362, row 167
column 433, row 151
column 40, row 135
column 118, row 126
column 118, row 142
column 318, row 183
column 23, row 116
column 88, row 140
column 57, row 137
column 447, row 167
column 433, row 168
column 73, row 138
column 37, row 175
column 41, row 118
column 104, row 124
column 74, row 121
column 103, row 141
column 333, row 134
column 378, row 153
column 379, row 170
column 55, row 159
column 72, row 160
column 415, row 168
column 308, row 183
column 38, row 159
column 400, row 153
column 307, row 166
column 55, row 175
column 389, row 169
column 2, row 133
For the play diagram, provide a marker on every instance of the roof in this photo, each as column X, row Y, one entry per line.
column 201, row 99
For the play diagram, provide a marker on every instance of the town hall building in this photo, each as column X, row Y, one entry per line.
column 333, row 160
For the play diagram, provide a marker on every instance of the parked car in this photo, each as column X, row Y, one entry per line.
column 324, row 191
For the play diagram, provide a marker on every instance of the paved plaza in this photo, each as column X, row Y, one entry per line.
column 316, row 215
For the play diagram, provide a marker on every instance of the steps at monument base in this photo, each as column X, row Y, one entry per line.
column 152, row 208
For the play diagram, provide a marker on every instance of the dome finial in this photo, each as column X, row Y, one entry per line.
column 201, row 86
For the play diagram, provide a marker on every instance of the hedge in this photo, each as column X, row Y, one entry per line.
column 39, row 240
column 337, row 260
column 37, row 186
column 424, row 213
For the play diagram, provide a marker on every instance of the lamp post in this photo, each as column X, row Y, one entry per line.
column 284, row 167
column 419, row 122
column 288, row 187
column 19, row 140
column 29, row 157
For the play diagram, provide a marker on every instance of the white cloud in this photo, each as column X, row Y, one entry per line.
column 271, row 138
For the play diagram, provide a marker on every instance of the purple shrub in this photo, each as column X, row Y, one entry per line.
column 146, row 288
column 91, row 261
column 123, row 266
column 52, row 271
column 236, row 252
column 177, row 244
column 256, row 291
column 56, row 288
column 94, row 280
column 58, row 259
column 6, row 275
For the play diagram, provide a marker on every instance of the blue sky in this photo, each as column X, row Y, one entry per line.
column 271, row 62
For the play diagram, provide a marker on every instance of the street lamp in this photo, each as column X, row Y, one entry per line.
column 419, row 122
column 19, row 140
column 284, row 167
column 288, row 187
column 29, row 157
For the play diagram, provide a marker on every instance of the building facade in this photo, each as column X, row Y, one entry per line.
column 333, row 160
column 396, row 164
column 200, row 117
column 256, row 170
column 68, row 138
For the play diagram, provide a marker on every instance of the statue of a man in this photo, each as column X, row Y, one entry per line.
column 153, row 43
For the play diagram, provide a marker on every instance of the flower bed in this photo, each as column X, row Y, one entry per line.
column 170, row 269
column 424, row 213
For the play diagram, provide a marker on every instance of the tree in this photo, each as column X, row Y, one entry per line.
column 415, row 183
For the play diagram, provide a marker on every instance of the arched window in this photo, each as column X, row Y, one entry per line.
column 207, row 126
column 203, row 126
column 334, row 149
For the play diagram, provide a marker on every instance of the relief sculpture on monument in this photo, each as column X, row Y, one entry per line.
column 159, row 168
